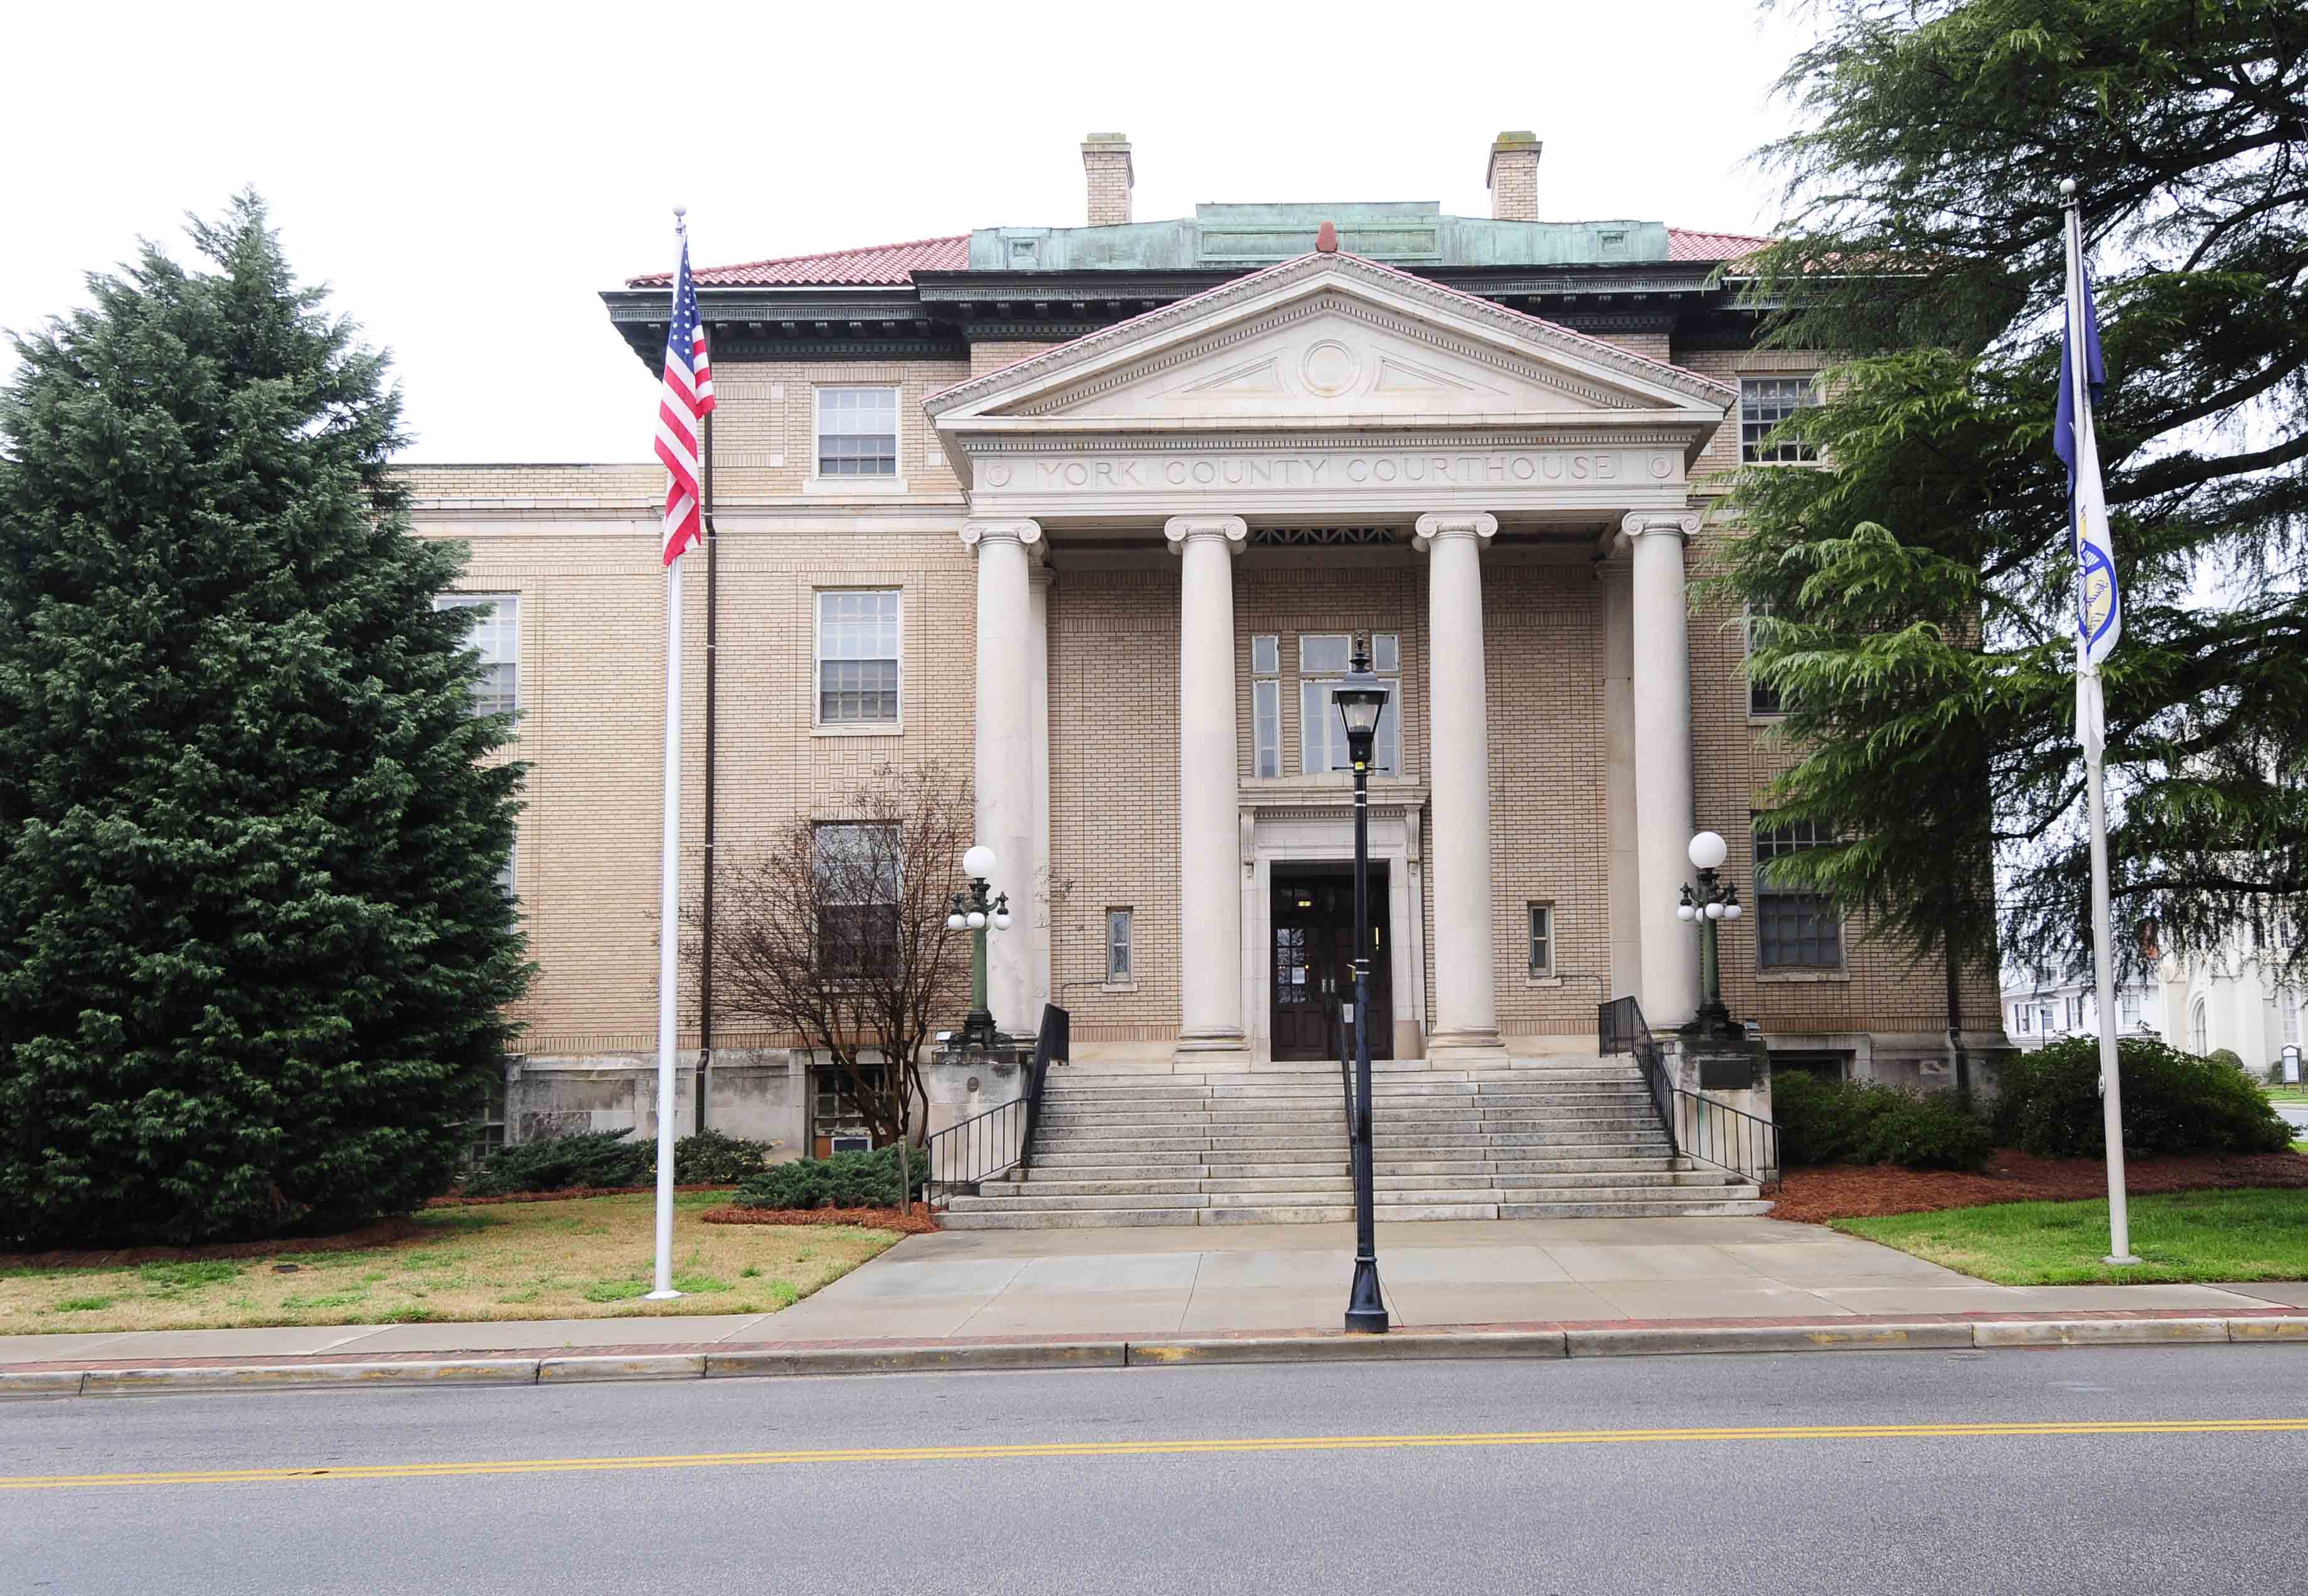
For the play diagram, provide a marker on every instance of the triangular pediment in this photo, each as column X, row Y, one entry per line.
column 1330, row 341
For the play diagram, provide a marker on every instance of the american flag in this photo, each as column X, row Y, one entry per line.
column 681, row 411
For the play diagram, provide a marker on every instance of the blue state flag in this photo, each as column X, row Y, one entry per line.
column 2099, row 604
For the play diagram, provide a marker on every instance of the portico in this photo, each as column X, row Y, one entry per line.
column 1327, row 415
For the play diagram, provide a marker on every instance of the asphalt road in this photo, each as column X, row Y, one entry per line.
column 1201, row 1480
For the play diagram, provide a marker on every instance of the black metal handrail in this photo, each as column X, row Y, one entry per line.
column 989, row 1145
column 1698, row 1126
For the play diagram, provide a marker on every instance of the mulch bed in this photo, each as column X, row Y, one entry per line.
column 389, row 1232
column 919, row 1222
column 454, row 1201
column 1845, row 1191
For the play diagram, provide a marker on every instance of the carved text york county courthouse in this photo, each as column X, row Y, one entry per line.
column 1098, row 514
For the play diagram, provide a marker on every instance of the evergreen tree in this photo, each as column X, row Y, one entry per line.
column 1915, row 602
column 254, row 953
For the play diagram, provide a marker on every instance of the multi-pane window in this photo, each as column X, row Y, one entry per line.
column 857, row 657
column 495, row 636
column 1322, row 658
column 1763, row 698
column 1266, row 704
column 2287, row 1003
column 1542, row 939
column 1118, row 945
column 2076, row 1011
column 2043, row 1018
column 2200, row 1027
column 1763, row 404
column 856, row 432
column 2127, row 1007
column 857, row 870
column 487, row 1126
column 2021, row 1014
column 1795, row 928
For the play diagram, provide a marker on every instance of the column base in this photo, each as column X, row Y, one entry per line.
column 1466, row 1047
column 1211, row 1050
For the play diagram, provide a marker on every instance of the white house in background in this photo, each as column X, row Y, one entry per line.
column 2036, row 1013
column 2234, row 1000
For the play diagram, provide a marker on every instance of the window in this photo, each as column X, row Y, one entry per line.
column 1266, row 704
column 1117, row 946
column 856, row 432
column 2200, row 1027
column 1794, row 929
column 2075, row 1012
column 1763, row 404
column 495, row 634
column 1323, row 657
column 1762, row 699
column 857, row 882
column 488, row 1123
column 857, row 658
column 835, row 1116
column 1542, row 939
column 2043, row 1018
column 2287, row 1002
column 2021, row 1014
column 2127, row 1007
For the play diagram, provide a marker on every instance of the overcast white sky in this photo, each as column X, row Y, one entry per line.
column 469, row 177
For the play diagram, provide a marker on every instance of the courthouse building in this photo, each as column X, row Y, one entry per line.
column 1097, row 514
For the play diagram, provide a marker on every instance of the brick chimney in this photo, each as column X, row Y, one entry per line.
column 1513, row 176
column 1106, row 160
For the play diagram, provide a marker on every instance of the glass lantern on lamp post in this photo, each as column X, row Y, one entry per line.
column 978, row 909
column 1362, row 700
column 1712, row 900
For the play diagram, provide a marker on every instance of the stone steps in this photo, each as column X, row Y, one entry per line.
column 1565, row 1137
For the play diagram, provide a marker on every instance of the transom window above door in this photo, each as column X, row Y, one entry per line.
column 1323, row 657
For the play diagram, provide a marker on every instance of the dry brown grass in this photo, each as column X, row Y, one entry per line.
column 585, row 1259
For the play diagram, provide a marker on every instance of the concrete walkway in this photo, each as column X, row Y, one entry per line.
column 1219, row 1280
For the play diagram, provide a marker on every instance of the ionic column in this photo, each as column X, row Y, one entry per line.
column 1209, row 901
column 1664, row 798
column 1005, row 745
column 1466, row 994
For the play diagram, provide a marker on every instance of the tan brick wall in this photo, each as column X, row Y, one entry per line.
column 591, row 690
column 765, row 427
column 995, row 354
column 1106, row 167
column 1653, row 346
column 1114, row 797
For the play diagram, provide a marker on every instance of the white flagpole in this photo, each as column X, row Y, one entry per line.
column 2091, row 732
column 668, row 925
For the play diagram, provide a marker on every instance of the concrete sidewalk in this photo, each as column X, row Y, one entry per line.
column 1058, row 1285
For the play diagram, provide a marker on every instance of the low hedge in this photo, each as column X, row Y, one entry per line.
column 2048, row 1102
column 588, row 1158
column 845, row 1180
column 1863, row 1122
column 557, row 1163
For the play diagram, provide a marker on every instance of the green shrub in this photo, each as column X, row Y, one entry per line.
column 711, row 1158
column 2048, row 1102
column 1862, row 1122
column 2227, row 1056
column 558, row 1163
column 845, row 1180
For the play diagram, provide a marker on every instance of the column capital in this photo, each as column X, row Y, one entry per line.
column 1020, row 530
column 1436, row 525
column 1683, row 524
column 1182, row 529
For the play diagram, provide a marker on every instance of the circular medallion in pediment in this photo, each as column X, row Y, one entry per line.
column 1329, row 367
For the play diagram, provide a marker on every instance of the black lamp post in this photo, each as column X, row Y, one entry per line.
column 975, row 910
column 1362, row 699
column 1713, row 900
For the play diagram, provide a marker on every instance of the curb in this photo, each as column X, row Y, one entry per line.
column 1114, row 1353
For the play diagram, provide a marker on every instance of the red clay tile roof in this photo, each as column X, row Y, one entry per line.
column 1683, row 245
column 881, row 264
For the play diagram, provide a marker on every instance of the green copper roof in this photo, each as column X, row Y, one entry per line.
column 1403, row 233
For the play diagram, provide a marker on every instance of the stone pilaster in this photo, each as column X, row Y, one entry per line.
column 1465, row 997
column 1008, row 815
column 1209, row 906
column 1664, row 795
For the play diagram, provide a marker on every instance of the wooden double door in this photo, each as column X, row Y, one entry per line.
column 1312, row 949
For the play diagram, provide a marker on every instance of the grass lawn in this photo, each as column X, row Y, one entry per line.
column 2243, row 1234
column 590, row 1258
column 2287, row 1094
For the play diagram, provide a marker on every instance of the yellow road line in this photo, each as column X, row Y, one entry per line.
column 875, row 1454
